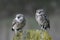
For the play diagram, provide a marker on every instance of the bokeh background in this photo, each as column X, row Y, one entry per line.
column 9, row 8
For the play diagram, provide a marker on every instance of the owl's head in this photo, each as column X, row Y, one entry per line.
column 19, row 17
column 40, row 12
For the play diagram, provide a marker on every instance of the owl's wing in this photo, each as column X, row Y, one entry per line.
column 14, row 22
column 48, row 24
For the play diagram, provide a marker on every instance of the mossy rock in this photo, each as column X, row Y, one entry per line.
column 34, row 35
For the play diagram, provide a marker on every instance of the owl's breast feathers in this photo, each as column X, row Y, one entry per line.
column 22, row 24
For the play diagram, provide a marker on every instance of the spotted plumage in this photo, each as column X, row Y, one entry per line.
column 18, row 22
column 42, row 19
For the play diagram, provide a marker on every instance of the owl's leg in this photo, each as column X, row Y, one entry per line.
column 42, row 27
column 15, row 31
column 20, row 30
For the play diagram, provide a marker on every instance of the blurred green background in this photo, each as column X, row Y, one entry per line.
column 9, row 8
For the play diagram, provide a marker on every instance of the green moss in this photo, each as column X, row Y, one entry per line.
column 34, row 35
column 18, row 36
